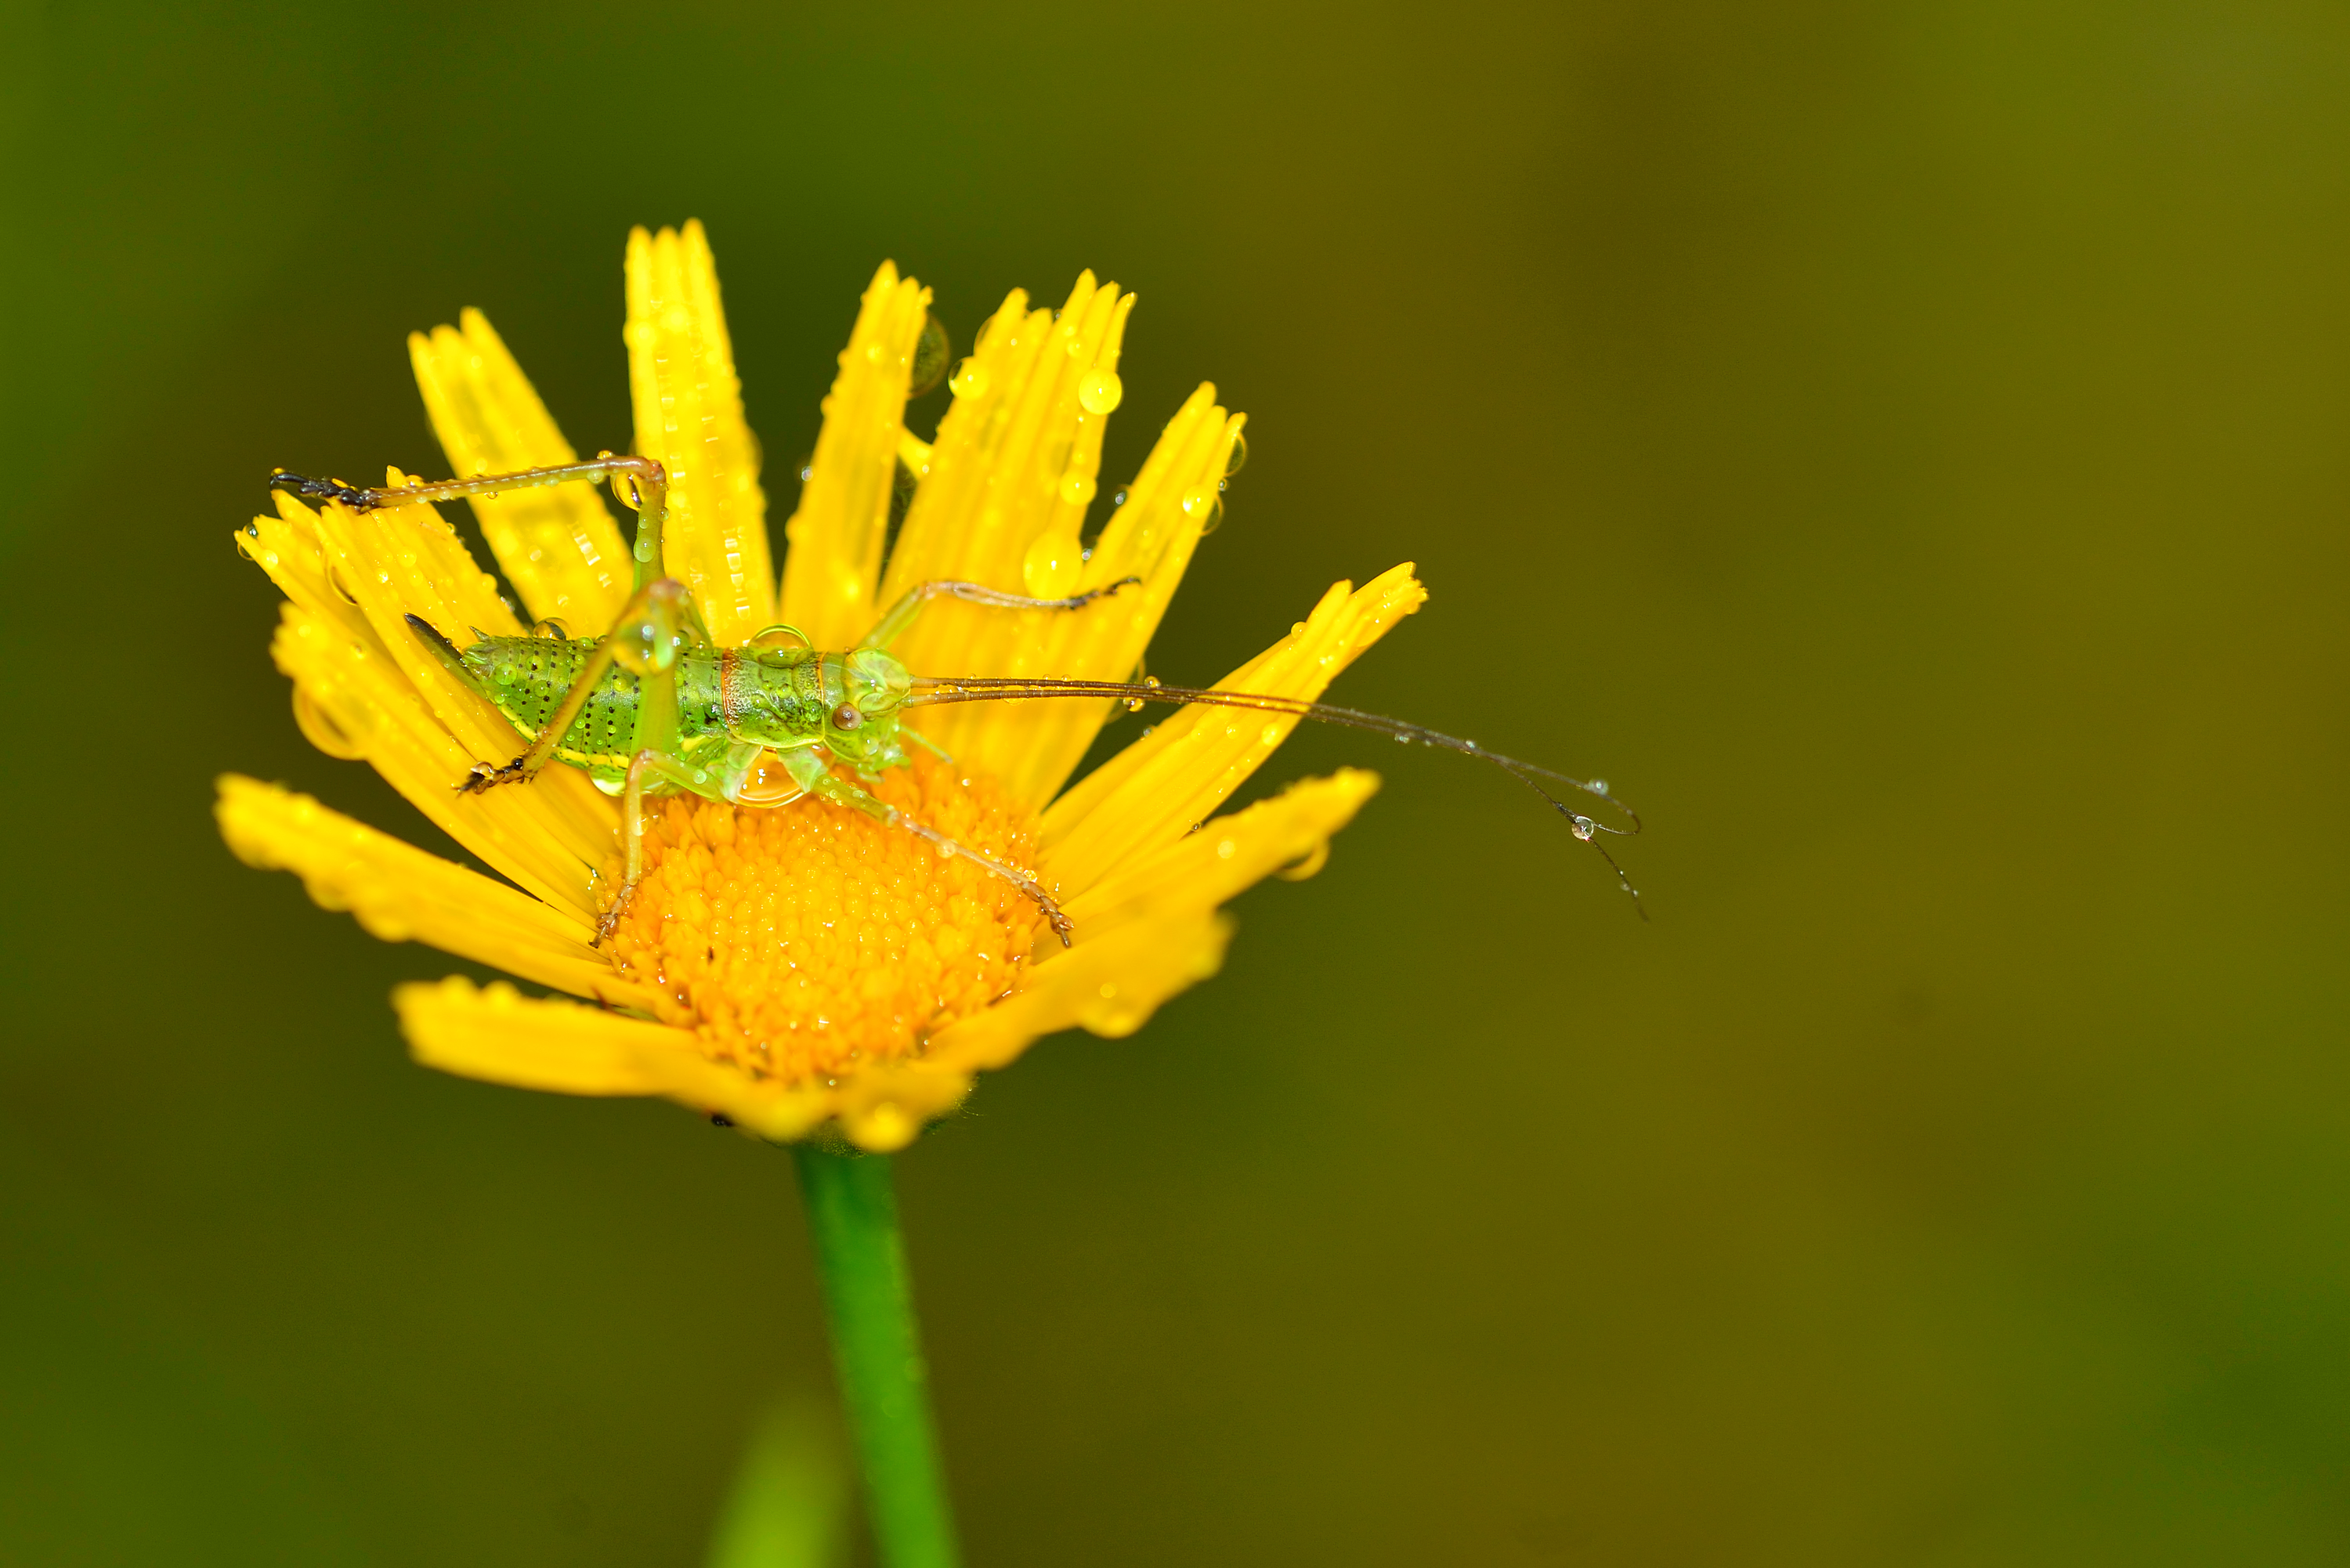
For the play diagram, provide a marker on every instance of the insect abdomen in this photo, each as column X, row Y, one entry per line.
column 528, row 677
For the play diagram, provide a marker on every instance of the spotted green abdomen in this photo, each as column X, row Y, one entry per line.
column 528, row 678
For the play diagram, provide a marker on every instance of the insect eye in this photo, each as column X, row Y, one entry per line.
column 846, row 717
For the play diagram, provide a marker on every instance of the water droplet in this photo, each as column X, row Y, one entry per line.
column 1599, row 786
column 1269, row 734
column 1133, row 704
column 1076, row 489
column 1206, row 507
column 1239, row 458
column 1118, row 499
column 1100, row 390
column 1585, row 827
column 933, row 352
column 970, row 380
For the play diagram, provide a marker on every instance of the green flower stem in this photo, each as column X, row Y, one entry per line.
column 852, row 1210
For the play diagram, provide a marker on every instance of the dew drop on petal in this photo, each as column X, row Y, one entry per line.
column 1076, row 489
column 1100, row 390
column 1239, row 457
column 970, row 379
column 1206, row 507
column 932, row 353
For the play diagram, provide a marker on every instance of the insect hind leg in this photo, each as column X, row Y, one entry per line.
column 1012, row 874
column 647, row 771
column 815, row 775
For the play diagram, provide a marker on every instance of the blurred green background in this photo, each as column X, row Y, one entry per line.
column 1901, row 447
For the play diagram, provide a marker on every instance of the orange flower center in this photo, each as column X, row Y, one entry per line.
column 801, row 940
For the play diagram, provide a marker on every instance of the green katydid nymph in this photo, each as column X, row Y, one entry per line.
column 654, row 706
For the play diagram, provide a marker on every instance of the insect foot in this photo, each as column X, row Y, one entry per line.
column 609, row 920
column 1013, row 874
column 1053, row 915
column 310, row 489
column 485, row 778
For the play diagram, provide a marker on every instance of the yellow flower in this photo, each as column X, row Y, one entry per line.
column 792, row 965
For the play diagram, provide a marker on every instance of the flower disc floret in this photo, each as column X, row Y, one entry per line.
column 804, row 941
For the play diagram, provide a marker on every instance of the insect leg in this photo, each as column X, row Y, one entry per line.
column 647, row 767
column 639, row 482
column 815, row 775
column 901, row 615
column 653, row 623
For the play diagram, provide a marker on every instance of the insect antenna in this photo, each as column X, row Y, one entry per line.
column 929, row 691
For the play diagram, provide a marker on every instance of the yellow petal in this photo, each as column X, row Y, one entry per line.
column 1228, row 855
column 497, row 1034
column 1110, row 986
column 1169, row 505
column 399, row 893
column 1012, row 475
column 358, row 699
column 556, row 546
column 834, row 563
column 689, row 408
column 1148, row 933
column 1151, row 794
column 881, row 1110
